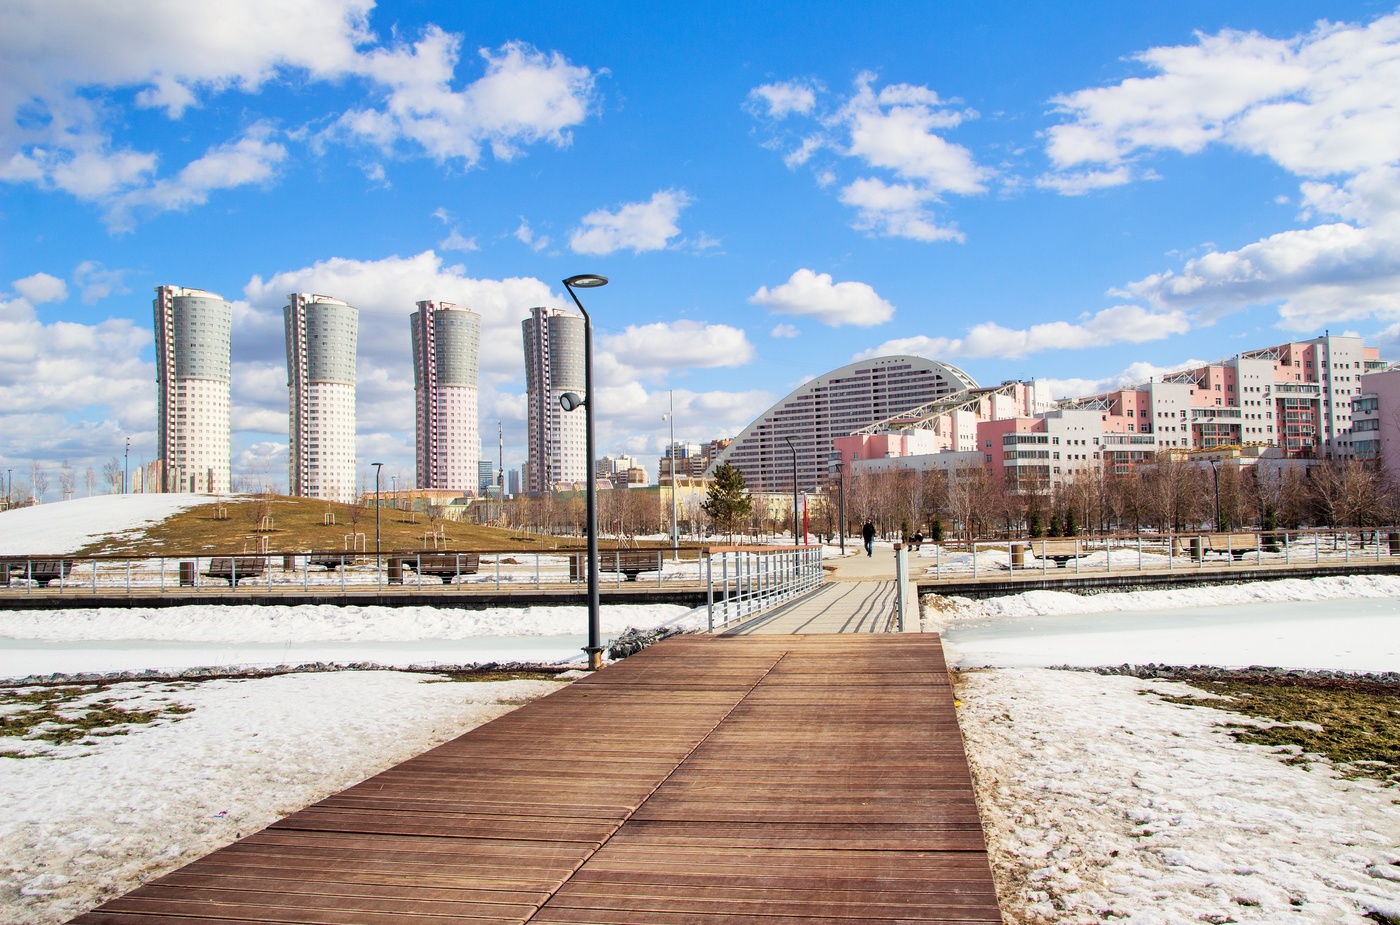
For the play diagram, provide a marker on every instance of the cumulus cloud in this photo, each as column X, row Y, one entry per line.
column 41, row 288
column 678, row 345
column 636, row 226
column 899, row 131
column 1324, row 106
column 815, row 295
column 53, row 373
column 1121, row 324
column 526, row 235
column 455, row 242
column 60, row 100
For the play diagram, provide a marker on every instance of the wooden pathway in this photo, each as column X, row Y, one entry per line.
column 835, row 607
column 756, row 780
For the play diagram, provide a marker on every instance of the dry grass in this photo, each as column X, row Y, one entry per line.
column 299, row 525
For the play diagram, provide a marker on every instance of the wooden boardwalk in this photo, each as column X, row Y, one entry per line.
column 835, row 607
column 755, row 780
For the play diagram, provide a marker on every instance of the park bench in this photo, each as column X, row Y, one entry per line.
column 629, row 562
column 1235, row 545
column 235, row 568
column 443, row 565
column 329, row 559
column 40, row 571
column 1061, row 549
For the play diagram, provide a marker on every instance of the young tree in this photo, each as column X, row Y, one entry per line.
column 728, row 500
column 67, row 481
column 90, row 480
column 39, row 479
column 112, row 475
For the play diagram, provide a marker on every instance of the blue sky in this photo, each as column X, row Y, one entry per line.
column 1085, row 193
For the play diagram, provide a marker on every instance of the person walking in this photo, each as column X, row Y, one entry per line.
column 867, row 533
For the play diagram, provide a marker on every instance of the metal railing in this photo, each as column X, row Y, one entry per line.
column 1149, row 553
column 741, row 581
column 340, row 572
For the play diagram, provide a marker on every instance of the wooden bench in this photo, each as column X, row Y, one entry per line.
column 235, row 568
column 1235, row 545
column 443, row 565
column 1061, row 549
column 629, row 562
column 41, row 571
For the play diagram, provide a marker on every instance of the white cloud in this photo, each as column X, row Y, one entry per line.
column 249, row 160
column 455, row 242
column 678, row 345
column 780, row 100
column 784, row 330
column 899, row 130
column 636, row 226
column 1135, row 374
column 41, row 288
column 1121, row 324
column 1085, row 181
column 815, row 295
column 526, row 235
column 60, row 100
column 97, row 282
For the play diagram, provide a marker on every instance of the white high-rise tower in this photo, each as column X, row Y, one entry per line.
column 321, row 337
column 553, row 366
column 192, row 330
column 446, row 347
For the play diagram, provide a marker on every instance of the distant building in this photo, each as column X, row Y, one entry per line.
column 321, row 339
column 485, row 475
column 446, row 350
column 833, row 405
column 553, row 365
column 513, row 482
column 192, row 329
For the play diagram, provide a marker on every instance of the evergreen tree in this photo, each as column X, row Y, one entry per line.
column 936, row 531
column 1035, row 528
column 1054, row 525
column 728, row 500
column 1071, row 528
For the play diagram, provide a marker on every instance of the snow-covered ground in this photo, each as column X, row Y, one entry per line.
column 1348, row 624
column 132, row 639
column 67, row 526
column 1101, row 801
column 87, row 822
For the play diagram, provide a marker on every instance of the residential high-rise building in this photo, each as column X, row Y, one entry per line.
column 513, row 482
column 485, row 475
column 192, row 330
column 446, row 349
column 553, row 366
column 321, row 337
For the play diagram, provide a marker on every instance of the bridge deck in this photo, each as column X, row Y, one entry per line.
column 835, row 607
column 758, row 780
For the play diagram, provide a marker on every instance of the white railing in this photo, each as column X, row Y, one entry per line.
column 744, row 580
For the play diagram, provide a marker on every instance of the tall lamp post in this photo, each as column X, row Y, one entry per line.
column 794, row 489
column 671, row 454
column 1216, row 473
column 126, row 468
column 841, row 494
column 378, row 503
column 569, row 401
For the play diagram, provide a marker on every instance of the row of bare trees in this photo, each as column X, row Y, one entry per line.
column 1166, row 496
column 35, row 488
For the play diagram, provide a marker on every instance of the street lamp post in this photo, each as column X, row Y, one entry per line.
column 569, row 401
column 378, row 503
column 794, row 489
column 126, row 468
column 841, row 494
column 671, row 454
column 1216, row 473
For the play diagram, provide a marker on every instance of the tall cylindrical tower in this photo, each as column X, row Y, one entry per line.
column 321, row 339
column 192, row 329
column 553, row 365
column 446, row 348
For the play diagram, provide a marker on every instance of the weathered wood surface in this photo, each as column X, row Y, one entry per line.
column 835, row 607
column 759, row 780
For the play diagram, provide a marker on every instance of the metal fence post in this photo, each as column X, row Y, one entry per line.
column 710, row 589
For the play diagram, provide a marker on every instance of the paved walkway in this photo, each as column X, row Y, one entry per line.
column 757, row 780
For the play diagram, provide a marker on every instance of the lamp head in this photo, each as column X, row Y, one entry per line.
column 586, row 281
column 571, row 400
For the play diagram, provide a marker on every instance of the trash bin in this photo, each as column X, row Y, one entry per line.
column 1198, row 547
column 289, row 563
column 395, row 570
column 187, row 574
column 1394, row 543
column 1018, row 555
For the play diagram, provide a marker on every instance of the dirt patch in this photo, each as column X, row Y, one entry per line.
column 35, row 720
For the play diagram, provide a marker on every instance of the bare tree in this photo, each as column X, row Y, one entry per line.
column 112, row 475
column 39, row 479
column 67, row 481
column 90, row 480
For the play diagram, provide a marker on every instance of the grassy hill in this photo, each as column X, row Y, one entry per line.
column 299, row 524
